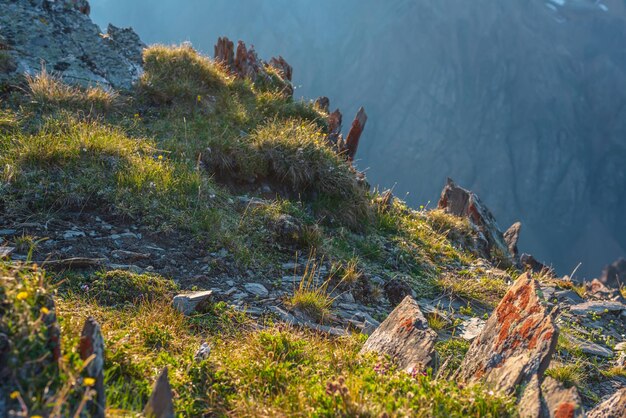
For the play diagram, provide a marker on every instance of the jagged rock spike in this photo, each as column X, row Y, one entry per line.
column 352, row 140
column 225, row 52
column 160, row 404
column 92, row 346
column 335, row 120
column 405, row 336
column 323, row 103
column 283, row 67
column 530, row 263
column 614, row 275
column 516, row 343
column 511, row 237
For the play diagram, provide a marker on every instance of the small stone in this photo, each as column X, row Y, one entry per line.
column 405, row 337
column 230, row 291
column 240, row 295
column 620, row 346
column 203, row 352
column 230, row 283
column 568, row 296
column 291, row 279
column 191, row 302
column 289, row 266
column 7, row 232
column 284, row 315
column 597, row 306
column 6, row 251
column 471, row 328
column 348, row 297
column 129, row 255
column 127, row 267
column 67, row 235
column 257, row 289
column 589, row 347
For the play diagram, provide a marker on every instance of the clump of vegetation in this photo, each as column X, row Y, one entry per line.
column 51, row 92
column 73, row 164
column 484, row 289
column 118, row 287
column 312, row 295
column 7, row 63
column 452, row 351
column 457, row 229
column 436, row 322
column 571, row 374
column 37, row 379
column 179, row 75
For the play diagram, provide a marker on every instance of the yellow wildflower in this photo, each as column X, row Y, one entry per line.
column 22, row 295
column 199, row 98
column 14, row 395
column 89, row 381
column 44, row 311
column 36, row 416
column 160, row 157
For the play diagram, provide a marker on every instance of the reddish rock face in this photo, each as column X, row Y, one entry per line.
column 516, row 342
column 405, row 337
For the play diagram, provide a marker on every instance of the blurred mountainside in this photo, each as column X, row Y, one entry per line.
column 521, row 101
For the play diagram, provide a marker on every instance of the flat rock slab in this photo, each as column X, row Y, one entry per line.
column 590, row 348
column 613, row 407
column 257, row 289
column 405, row 337
column 188, row 303
column 6, row 251
column 516, row 343
column 597, row 306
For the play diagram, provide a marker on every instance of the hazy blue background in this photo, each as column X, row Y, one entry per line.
column 522, row 101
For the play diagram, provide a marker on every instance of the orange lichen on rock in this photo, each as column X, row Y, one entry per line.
column 565, row 410
column 516, row 342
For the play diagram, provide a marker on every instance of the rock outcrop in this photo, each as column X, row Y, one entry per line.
column 244, row 62
column 83, row 55
column 492, row 244
column 516, row 343
column 614, row 275
column 405, row 337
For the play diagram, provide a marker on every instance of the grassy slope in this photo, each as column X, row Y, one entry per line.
column 174, row 154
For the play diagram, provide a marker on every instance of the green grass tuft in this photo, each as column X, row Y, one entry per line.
column 179, row 75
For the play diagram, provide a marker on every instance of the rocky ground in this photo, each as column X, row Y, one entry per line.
column 209, row 250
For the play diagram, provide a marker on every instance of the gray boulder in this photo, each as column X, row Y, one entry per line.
column 405, row 337
column 60, row 36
